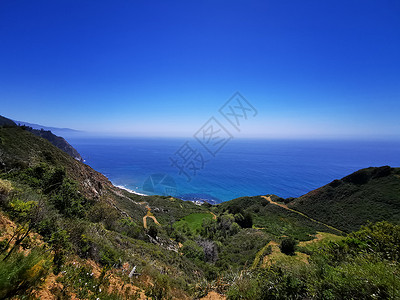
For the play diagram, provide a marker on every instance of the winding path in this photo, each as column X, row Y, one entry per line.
column 268, row 198
column 149, row 215
column 214, row 215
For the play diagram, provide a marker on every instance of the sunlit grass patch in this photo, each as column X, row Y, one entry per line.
column 5, row 187
column 193, row 221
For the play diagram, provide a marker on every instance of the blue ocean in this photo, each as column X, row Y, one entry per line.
column 187, row 169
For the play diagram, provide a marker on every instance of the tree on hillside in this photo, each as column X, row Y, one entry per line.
column 288, row 246
column 28, row 214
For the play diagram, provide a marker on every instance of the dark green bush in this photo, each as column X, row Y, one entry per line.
column 288, row 246
column 152, row 231
column 160, row 289
column 192, row 250
column 60, row 244
column 68, row 201
column 109, row 256
column 244, row 220
column 359, row 177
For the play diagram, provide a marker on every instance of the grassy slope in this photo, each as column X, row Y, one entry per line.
column 194, row 221
column 20, row 149
column 371, row 194
column 274, row 220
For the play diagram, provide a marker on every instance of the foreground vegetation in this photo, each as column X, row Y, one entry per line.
column 364, row 265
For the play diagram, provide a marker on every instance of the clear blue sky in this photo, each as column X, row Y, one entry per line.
column 313, row 69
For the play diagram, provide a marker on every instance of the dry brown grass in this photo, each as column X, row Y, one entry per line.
column 5, row 187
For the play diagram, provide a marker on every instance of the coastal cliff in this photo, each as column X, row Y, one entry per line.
column 57, row 141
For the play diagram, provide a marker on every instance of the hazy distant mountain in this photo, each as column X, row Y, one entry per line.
column 55, row 130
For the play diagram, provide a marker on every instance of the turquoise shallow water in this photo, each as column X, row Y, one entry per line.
column 240, row 168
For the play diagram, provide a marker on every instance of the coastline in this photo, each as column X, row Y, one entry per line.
column 196, row 200
column 129, row 190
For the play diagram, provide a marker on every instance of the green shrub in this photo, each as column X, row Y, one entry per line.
column 101, row 212
column 192, row 250
column 20, row 274
column 108, row 256
column 60, row 244
column 288, row 246
column 68, row 201
column 271, row 283
column 152, row 231
column 244, row 220
column 54, row 180
column 160, row 289
column 3, row 245
column 127, row 227
column 21, row 210
column 382, row 237
column 358, row 177
column 49, row 224
column 246, row 288
column 360, row 278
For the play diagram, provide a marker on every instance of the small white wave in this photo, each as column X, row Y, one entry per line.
column 129, row 190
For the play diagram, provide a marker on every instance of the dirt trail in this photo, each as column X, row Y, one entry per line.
column 268, row 198
column 149, row 215
column 318, row 237
column 275, row 203
column 266, row 260
column 213, row 296
column 260, row 256
column 277, row 255
column 214, row 215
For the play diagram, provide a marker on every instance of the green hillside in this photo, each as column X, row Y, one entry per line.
column 57, row 141
column 273, row 219
column 66, row 231
column 371, row 194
